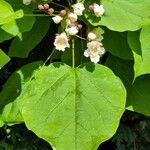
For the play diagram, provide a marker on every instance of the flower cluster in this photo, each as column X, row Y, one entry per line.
column 72, row 26
column 69, row 20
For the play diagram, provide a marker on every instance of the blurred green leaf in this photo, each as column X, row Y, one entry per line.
column 22, row 47
column 4, row 59
column 11, row 90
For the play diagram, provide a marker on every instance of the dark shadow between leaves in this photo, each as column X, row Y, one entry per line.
column 139, row 95
column 88, row 66
column 58, row 64
column 13, row 87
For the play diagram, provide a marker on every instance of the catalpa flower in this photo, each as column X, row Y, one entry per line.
column 78, row 9
column 61, row 42
column 72, row 30
column 98, row 10
column 57, row 19
column 95, row 51
column 72, row 17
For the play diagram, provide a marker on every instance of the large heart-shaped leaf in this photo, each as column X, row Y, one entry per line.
column 75, row 109
column 121, row 15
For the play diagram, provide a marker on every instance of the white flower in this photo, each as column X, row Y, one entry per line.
column 72, row 17
column 92, row 36
column 57, row 19
column 72, row 30
column 61, row 42
column 98, row 10
column 27, row 2
column 95, row 51
column 78, row 9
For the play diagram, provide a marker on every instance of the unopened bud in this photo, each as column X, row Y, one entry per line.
column 63, row 13
column 40, row 7
column 46, row 6
column 91, row 7
column 50, row 11
column 79, row 26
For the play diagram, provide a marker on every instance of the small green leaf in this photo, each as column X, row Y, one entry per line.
column 141, row 52
column 81, row 107
column 18, row 26
column 4, row 59
column 135, row 45
column 7, row 14
column 22, row 47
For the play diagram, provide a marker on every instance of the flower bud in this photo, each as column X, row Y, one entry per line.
column 46, row 6
column 63, row 13
column 40, row 7
column 79, row 26
column 50, row 11
column 91, row 7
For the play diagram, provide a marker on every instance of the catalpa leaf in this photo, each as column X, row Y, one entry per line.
column 120, row 15
column 73, row 108
column 140, row 45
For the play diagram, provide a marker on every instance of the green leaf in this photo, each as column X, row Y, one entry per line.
column 16, row 27
column 134, row 43
column 12, row 89
column 122, row 68
column 81, row 107
column 22, row 47
column 138, row 96
column 141, row 53
column 11, row 114
column 1, row 123
column 4, row 59
column 7, row 14
column 116, row 43
column 121, row 15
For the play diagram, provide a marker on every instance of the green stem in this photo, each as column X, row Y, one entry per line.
column 37, row 15
column 49, row 57
column 80, row 37
column 73, row 54
column 57, row 4
column 69, row 3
